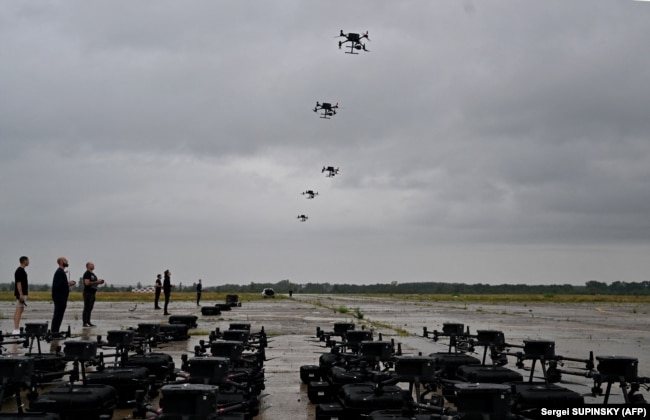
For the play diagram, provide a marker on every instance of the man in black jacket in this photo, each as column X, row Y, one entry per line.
column 60, row 291
column 90, row 289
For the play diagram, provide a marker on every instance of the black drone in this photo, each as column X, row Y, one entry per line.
column 331, row 171
column 354, row 40
column 329, row 110
column 302, row 217
column 310, row 193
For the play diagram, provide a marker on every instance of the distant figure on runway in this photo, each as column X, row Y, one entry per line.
column 158, row 288
column 60, row 292
column 167, row 288
column 199, row 288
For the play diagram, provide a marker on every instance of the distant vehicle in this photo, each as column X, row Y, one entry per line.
column 268, row 293
column 302, row 217
column 331, row 171
column 310, row 193
column 328, row 109
column 354, row 40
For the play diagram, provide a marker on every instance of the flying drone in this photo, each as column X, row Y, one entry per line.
column 354, row 40
column 329, row 110
column 302, row 218
column 331, row 171
column 310, row 193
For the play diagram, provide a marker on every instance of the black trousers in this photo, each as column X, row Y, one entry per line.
column 198, row 297
column 57, row 318
column 167, row 300
column 89, row 303
column 157, row 298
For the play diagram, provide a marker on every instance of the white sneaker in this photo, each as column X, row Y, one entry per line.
column 16, row 332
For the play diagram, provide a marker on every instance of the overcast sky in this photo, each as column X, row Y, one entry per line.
column 492, row 141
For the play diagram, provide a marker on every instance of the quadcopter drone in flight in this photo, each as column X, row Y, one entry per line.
column 302, row 217
column 331, row 171
column 310, row 194
column 354, row 40
column 329, row 110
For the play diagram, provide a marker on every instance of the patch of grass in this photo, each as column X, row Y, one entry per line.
column 357, row 313
column 342, row 309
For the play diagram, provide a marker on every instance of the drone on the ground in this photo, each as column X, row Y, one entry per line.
column 354, row 40
column 310, row 193
column 329, row 110
column 331, row 171
column 302, row 217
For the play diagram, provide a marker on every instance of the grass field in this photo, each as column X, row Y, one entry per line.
column 212, row 296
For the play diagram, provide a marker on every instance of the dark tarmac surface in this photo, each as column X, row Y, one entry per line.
column 606, row 329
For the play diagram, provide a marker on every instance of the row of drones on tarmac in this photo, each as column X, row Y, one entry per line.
column 355, row 42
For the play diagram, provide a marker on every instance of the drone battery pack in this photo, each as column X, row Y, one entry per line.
column 223, row 306
column 365, row 398
column 490, row 338
column 82, row 350
column 189, row 320
column 161, row 365
column 231, row 350
column 354, row 337
column 453, row 328
column 148, row 330
column 340, row 328
column 489, row 401
column 376, row 350
column 539, row 348
column 208, row 370
column 613, row 368
column 449, row 363
column 195, row 400
column 415, row 368
column 126, row 382
column 176, row 332
column 77, row 402
column 16, row 369
column 33, row 329
column 527, row 395
column 236, row 335
column 330, row 411
column 320, row 392
column 487, row 374
column 119, row 338
column 309, row 373
column 210, row 310
column 240, row 326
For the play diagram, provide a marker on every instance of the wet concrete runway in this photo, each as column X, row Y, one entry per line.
column 607, row 329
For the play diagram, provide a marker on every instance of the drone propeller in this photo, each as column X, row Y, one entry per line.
column 365, row 36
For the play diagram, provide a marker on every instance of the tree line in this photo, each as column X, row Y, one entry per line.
column 438, row 288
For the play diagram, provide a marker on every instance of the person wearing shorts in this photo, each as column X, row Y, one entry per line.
column 21, row 290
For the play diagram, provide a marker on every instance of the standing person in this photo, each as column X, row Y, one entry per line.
column 60, row 292
column 20, row 291
column 199, row 288
column 158, row 287
column 167, row 288
column 90, row 289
